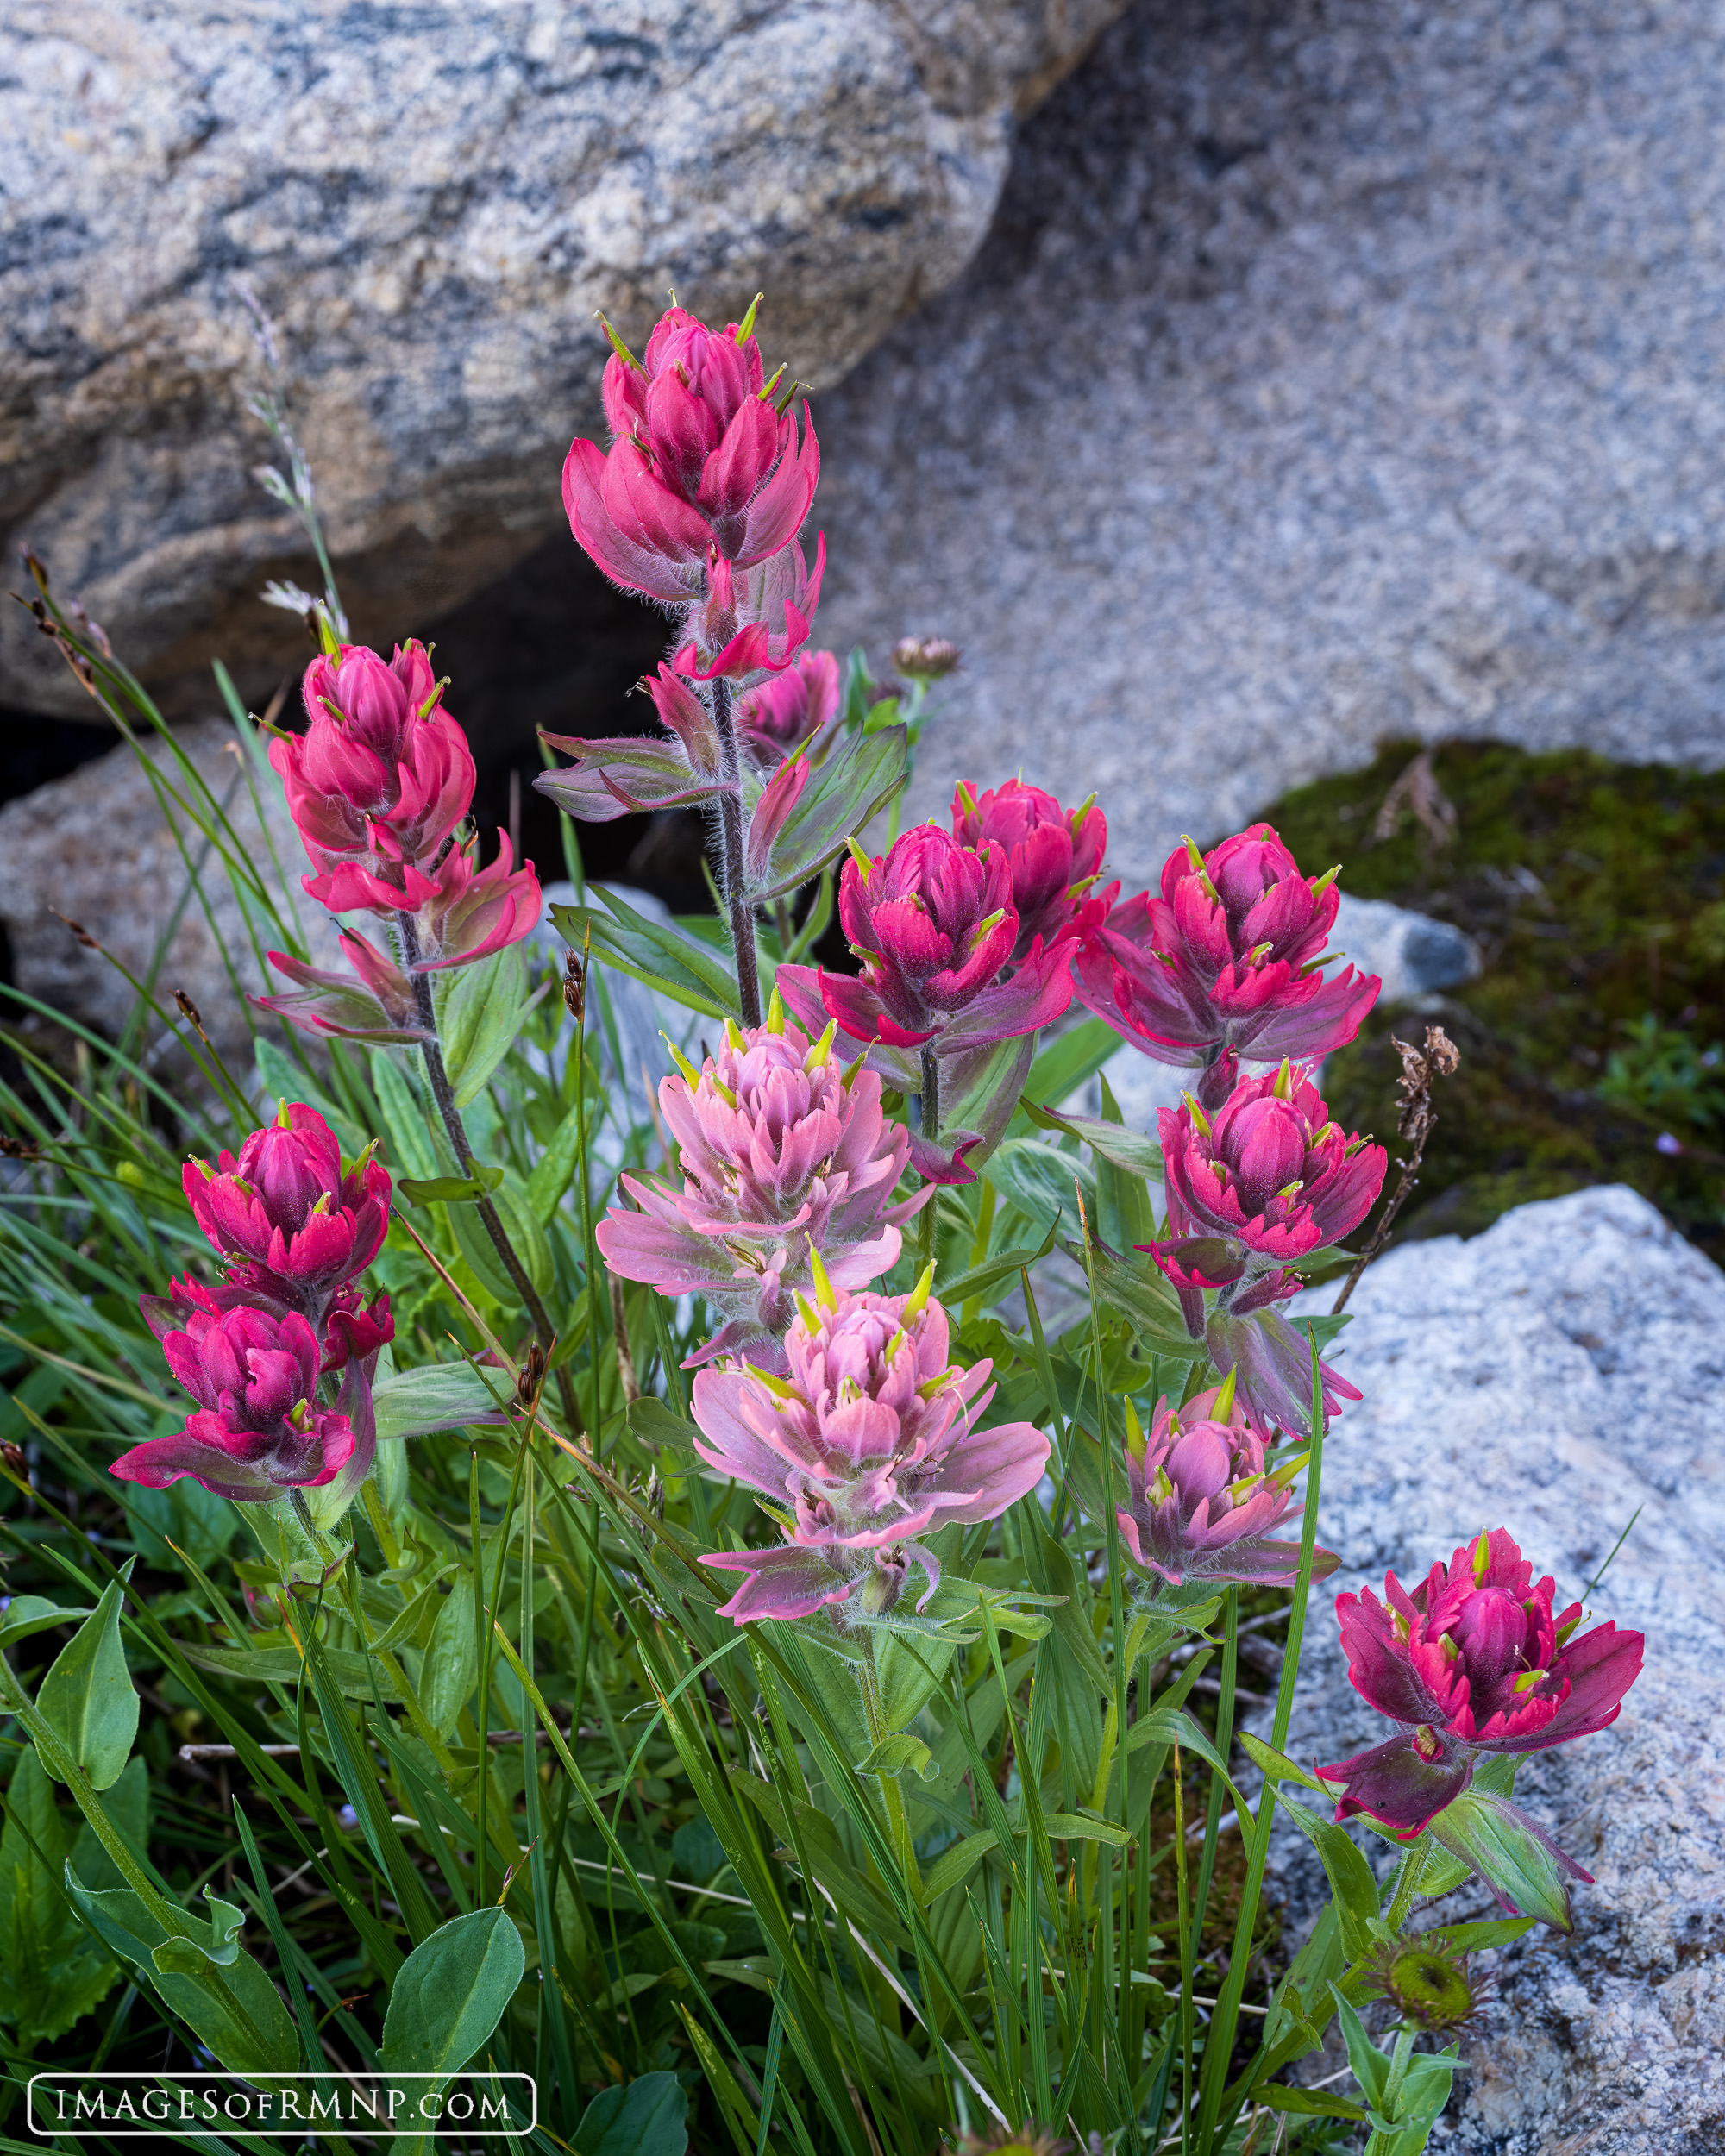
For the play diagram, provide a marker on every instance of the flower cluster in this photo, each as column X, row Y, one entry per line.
column 869, row 1442
column 787, row 1160
column 1200, row 1503
column 1054, row 857
column 700, row 497
column 378, row 786
column 297, row 1229
column 1475, row 1661
column 1228, row 956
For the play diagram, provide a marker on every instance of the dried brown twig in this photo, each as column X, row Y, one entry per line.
column 1417, row 789
column 1439, row 1058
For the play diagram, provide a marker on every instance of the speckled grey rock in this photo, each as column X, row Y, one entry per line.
column 97, row 847
column 432, row 201
column 1334, row 369
column 1552, row 1376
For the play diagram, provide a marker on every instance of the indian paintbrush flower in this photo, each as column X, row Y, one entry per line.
column 286, row 1206
column 1475, row 1661
column 259, row 1429
column 783, row 1152
column 1227, row 955
column 782, row 715
column 1054, row 857
column 753, row 621
column 702, row 461
column 1264, row 1180
column 934, row 925
column 869, row 1441
column 1201, row 1501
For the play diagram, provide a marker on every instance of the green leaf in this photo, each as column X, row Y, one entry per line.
column 1370, row 2066
column 555, row 1169
column 448, row 1997
column 661, row 1427
column 651, row 953
column 1517, row 1858
column 842, row 794
column 1315, row 2103
column 404, row 1132
column 89, row 1695
column 520, row 1224
column 1276, row 1766
column 1108, row 1139
column 1133, row 1286
column 1005, row 1265
column 230, row 2003
column 28, row 1614
column 451, row 1667
column 281, row 1665
column 1069, row 1060
column 478, row 1015
column 953, row 1866
column 1351, row 1878
column 1040, row 1181
column 646, row 2117
column 452, row 1190
column 1086, row 1827
column 900, row 1754
column 436, row 1396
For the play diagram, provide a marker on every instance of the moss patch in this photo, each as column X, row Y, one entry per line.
column 1597, row 893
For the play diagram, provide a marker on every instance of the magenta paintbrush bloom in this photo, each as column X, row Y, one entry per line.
column 382, row 773
column 1227, row 955
column 286, row 1206
column 776, row 720
column 1264, row 1179
column 1054, row 859
column 781, row 1148
column 259, row 1429
column 933, row 923
column 753, row 621
column 1200, row 1503
column 870, row 1442
column 700, row 459
column 1475, row 1660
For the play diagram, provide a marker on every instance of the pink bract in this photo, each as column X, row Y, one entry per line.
column 1475, row 1660
column 382, row 773
column 776, row 720
column 933, row 923
column 1201, row 1502
column 753, row 621
column 1226, row 955
column 779, row 1148
column 1263, row 1181
column 700, row 459
column 259, row 1429
column 873, row 1441
column 285, row 1205
column 1054, row 859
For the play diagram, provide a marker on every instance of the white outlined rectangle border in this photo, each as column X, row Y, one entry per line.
column 368, row 2115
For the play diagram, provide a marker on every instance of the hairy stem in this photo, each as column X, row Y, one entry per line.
column 1392, row 2089
column 928, row 1224
column 731, row 859
column 444, row 1095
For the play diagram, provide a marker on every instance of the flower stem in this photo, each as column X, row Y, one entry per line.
column 1381, row 2143
column 444, row 1095
column 897, row 1818
column 730, row 858
column 1406, row 1881
column 928, row 1224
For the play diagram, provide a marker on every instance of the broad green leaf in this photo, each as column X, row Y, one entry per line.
column 1308, row 2103
column 645, row 2117
column 1276, row 1766
column 842, row 794
column 1069, row 1060
column 901, row 1753
column 1370, row 2066
column 1042, row 1182
column 28, row 1614
column 661, row 1427
column 1517, row 1858
column 660, row 957
column 1351, row 1877
column 993, row 1272
column 436, row 1396
column 409, row 1143
column 1109, row 1139
column 1086, row 1827
column 452, row 1190
column 479, row 1013
column 229, row 2004
column 450, row 1993
column 282, row 1666
column 451, row 1667
column 89, row 1697
column 953, row 1866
